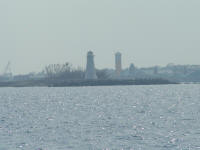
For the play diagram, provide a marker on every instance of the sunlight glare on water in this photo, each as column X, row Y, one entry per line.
column 158, row 117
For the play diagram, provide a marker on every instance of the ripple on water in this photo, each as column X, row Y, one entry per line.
column 127, row 117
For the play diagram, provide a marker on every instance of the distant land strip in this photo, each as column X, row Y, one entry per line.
column 79, row 83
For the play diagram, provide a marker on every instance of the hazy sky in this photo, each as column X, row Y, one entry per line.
column 34, row 33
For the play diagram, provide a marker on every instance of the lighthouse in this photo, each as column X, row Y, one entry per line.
column 90, row 73
column 118, row 64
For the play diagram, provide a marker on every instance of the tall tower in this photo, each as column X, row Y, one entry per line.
column 90, row 68
column 118, row 63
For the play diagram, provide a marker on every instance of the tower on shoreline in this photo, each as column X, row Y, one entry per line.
column 118, row 63
column 90, row 73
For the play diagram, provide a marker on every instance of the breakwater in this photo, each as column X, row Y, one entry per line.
column 71, row 83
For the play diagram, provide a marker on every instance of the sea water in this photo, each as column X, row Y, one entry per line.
column 158, row 117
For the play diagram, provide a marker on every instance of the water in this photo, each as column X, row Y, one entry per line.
column 165, row 117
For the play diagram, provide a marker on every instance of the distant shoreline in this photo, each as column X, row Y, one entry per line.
column 80, row 83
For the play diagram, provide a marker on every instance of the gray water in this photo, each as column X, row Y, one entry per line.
column 165, row 117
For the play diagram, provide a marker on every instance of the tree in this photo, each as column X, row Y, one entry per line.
column 102, row 74
column 63, row 71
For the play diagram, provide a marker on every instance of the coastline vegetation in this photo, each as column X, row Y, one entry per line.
column 61, row 75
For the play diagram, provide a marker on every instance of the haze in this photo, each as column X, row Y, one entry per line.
column 147, row 33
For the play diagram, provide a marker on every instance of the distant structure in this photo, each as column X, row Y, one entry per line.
column 7, row 70
column 7, row 74
column 90, row 68
column 155, row 71
column 131, row 70
column 118, row 63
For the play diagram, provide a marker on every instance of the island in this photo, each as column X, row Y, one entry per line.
column 79, row 83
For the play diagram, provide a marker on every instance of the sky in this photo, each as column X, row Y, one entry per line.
column 35, row 33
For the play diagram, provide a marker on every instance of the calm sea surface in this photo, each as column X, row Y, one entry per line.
column 165, row 117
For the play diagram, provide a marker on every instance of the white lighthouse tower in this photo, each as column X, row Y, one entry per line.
column 90, row 73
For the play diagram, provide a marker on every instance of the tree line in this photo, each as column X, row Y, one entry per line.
column 67, row 71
